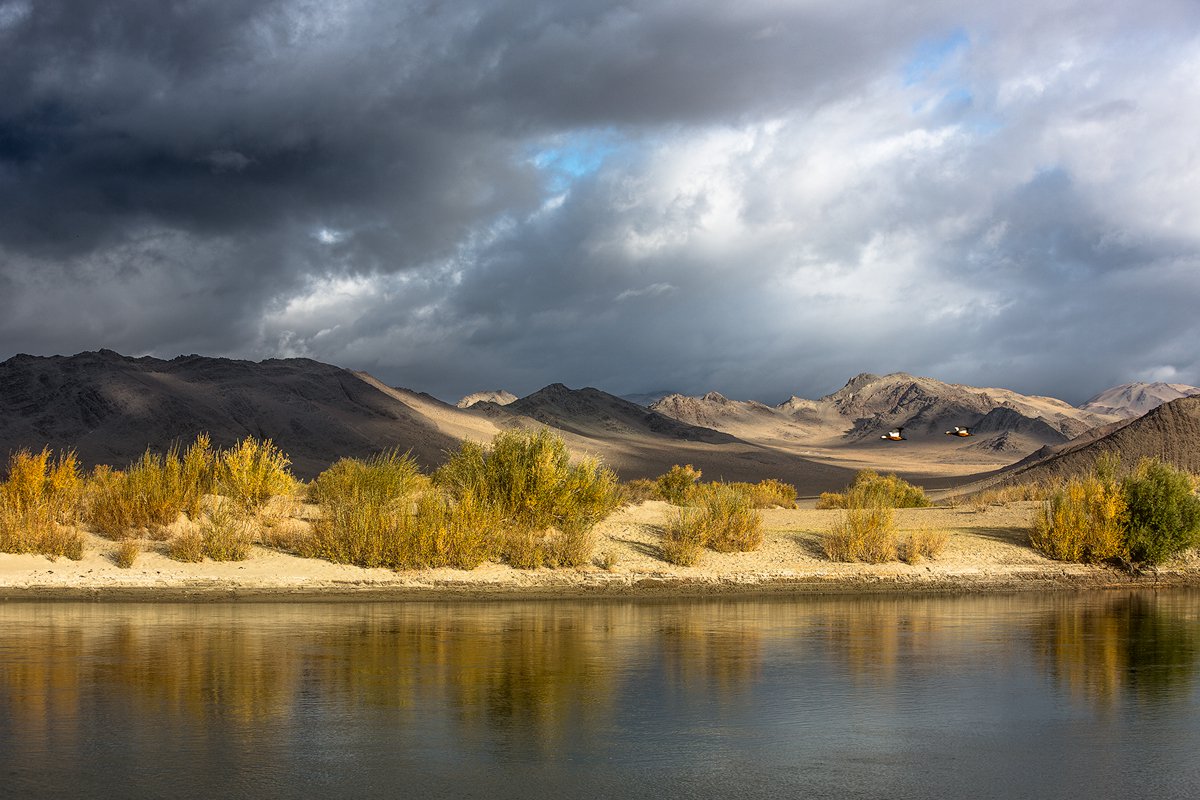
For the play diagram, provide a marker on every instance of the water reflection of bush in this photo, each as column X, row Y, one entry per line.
column 1132, row 646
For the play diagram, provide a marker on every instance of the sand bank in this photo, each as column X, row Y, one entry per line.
column 986, row 552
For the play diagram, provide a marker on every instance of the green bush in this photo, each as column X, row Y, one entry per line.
column 678, row 483
column 870, row 489
column 1163, row 512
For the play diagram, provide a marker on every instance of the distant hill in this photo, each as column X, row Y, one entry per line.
column 1170, row 432
column 596, row 414
column 497, row 396
column 109, row 408
column 1135, row 399
column 869, row 405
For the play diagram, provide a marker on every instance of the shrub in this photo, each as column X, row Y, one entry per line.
column 728, row 519
column 127, row 553
column 870, row 489
column 922, row 543
column 187, row 546
column 771, row 492
column 1163, row 512
column 152, row 492
column 251, row 472
column 678, row 483
column 1085, row 520
column 684, row 537
column 459, row 533
column 227, row 532
column 863, row 534
column 40, row 504
column 546, row 506
column 368, row 511
column 831, row 500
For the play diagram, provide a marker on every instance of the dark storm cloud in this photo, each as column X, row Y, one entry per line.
column 760, row 197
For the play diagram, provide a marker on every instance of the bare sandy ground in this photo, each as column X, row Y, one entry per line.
column 986, row 551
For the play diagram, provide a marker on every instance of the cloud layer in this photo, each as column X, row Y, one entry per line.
column 761, row 198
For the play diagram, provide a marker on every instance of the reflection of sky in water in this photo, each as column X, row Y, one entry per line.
column 1047, row 696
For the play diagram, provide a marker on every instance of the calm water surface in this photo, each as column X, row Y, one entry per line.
column 1065, row 695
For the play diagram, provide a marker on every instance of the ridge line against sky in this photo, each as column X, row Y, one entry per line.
column 760, row 198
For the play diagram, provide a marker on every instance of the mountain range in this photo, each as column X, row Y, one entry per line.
column 109, row 408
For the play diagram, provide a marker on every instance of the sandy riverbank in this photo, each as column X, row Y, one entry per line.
column 986, row 551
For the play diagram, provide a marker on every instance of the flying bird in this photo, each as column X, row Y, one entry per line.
column 958, row 430
column 894, row 435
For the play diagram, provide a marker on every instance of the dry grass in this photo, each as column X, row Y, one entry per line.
column 607, row 560
column 922, row 543
column 870, row 489
column 152, row 492
column 677, row 484
column 252, row 472
column 40, row 504
column 1083, row 521
column 1010, row 494
column 683, row 538
column 186, row 546
column 227, row 531
column 769, row 493
column 864, row 534
column 730, row 522
column 639, row 490
column 127, row 553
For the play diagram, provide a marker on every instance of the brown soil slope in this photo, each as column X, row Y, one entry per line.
column 1170, row 432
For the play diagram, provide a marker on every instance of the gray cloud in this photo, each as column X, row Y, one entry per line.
column 761, row 198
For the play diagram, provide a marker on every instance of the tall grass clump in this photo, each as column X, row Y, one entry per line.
column 1084, row 520
column 864, row 534
column 871, row 489
column 1163, row 512
column 684, row 538
column 40, row 503
column 253, row 471
column 547, row 506
column 729, row 519
column 152, row 492
column 922, row 543
column 369, row 511
column 227, row 531
column 677, row 484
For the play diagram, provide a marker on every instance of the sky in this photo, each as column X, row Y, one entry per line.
column 761, row 198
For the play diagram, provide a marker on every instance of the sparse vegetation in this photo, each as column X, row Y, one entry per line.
column 677, row 484
column 870, row 489
column 607, row 560
column 186, row 546
column 1014, row 493
column 864, row 534
column 40, row 503
column 728, row 519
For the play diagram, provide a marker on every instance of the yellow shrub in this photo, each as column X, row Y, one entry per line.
column 1083, row 521
column 252, row 471
column 864, row 534
column 40, row 504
